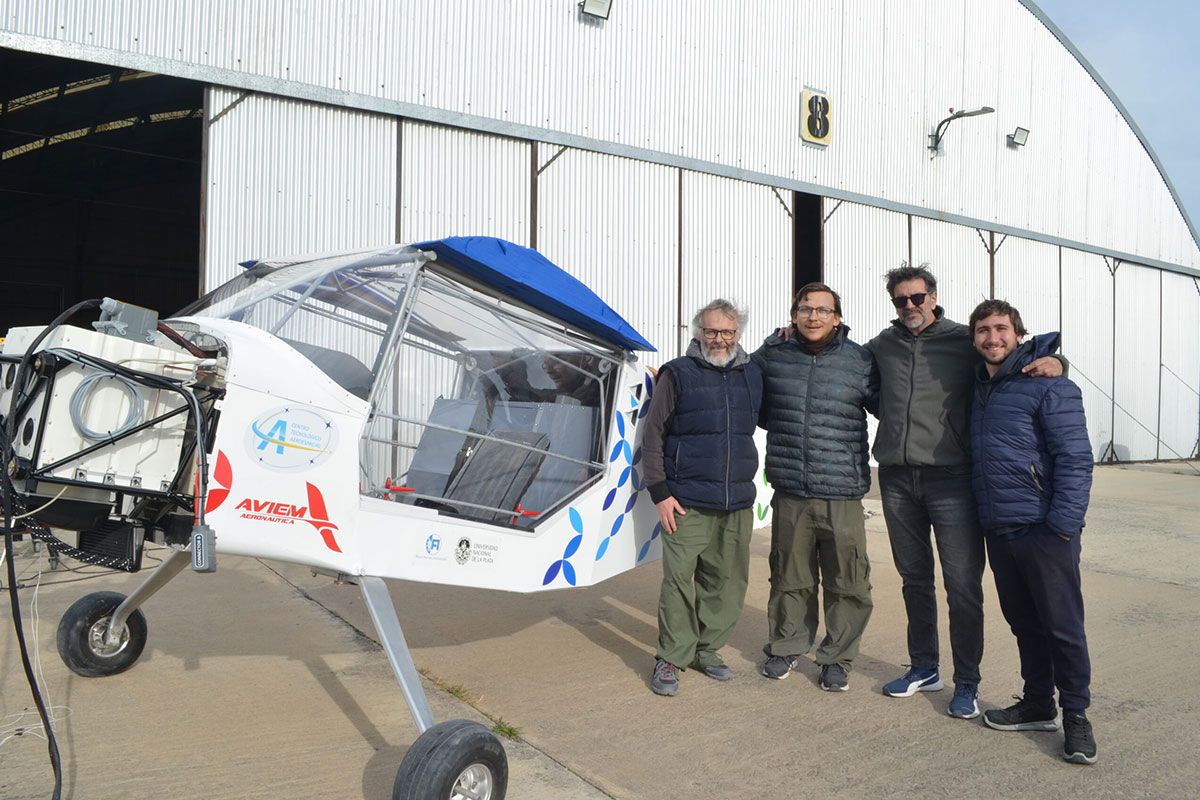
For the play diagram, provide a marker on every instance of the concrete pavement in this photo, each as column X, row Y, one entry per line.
column 263, row 681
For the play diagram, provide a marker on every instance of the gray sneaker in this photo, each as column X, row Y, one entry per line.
column 834, row 678
column 778, row 667
column 718, row 672
column 665, row 680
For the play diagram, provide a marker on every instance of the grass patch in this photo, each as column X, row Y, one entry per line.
column 499, row 726
column 460, row 692
column 502, row 728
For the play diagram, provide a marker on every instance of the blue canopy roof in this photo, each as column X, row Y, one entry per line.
column 531, row 278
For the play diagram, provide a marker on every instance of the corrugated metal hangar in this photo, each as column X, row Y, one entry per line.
column 670, row 153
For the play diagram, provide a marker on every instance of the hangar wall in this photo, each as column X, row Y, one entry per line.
column 665, row 191
column 696, row 86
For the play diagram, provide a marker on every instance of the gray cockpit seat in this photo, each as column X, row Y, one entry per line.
column 345, row 370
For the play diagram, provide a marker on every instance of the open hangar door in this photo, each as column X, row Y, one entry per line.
column 99, row 187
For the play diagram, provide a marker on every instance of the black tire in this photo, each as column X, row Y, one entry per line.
column 446, row 754
column 78, row 631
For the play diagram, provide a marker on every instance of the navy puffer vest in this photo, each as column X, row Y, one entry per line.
column 709, row 451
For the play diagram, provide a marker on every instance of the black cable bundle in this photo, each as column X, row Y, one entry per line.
column 7, row 458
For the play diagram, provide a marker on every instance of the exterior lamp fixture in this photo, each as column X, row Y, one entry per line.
column 1018, row 138
column 935, row 138
column 596, row 8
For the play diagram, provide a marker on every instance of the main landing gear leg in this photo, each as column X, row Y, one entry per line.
column 456, row 760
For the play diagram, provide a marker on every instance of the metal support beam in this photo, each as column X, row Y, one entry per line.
column 171, row 566
column 387, row 625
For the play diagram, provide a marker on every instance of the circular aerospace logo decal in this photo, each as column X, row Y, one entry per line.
column 291, row 438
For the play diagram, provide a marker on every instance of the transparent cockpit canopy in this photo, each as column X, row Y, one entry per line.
column 480, row 406
column 335, row 311
column 487, row 410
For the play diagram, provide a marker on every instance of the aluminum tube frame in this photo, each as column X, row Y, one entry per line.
column 171, row 566
column 391, row 636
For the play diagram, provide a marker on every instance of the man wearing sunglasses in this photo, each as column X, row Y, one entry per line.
column 700, row 463
column 816, row 385
column 927, row 373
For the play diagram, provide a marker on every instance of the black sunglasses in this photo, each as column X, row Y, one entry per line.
column 917, row 299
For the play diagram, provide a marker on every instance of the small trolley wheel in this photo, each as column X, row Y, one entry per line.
column 82, row 633
column 456, row 760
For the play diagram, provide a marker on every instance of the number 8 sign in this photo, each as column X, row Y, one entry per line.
column 815, row 113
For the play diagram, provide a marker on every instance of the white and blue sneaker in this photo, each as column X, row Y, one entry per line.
column 965, row 703
column 913, row 681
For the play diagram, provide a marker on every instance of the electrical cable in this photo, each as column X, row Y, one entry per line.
column 7, row 458
column 43, row 506
column 19, row 628
column 83, row 393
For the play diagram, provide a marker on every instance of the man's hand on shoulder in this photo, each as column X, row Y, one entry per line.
column 1044, row 367
column 667, row 509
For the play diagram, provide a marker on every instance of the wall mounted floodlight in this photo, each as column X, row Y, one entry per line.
column 596, row 8
column 935, row 138
column 1018, row 138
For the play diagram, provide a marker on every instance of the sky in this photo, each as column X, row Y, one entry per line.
column 1148, row 51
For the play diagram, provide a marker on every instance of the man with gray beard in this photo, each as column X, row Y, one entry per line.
column 700, row 464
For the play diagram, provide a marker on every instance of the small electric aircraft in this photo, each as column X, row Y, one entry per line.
column 459, row 411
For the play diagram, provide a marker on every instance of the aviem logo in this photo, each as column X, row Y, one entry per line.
column 285, row 513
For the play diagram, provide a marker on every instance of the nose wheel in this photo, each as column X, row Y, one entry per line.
column 85, row 643
column 455, row 760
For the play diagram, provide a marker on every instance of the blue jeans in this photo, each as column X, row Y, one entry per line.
column 915, row 498
column 1037, row 579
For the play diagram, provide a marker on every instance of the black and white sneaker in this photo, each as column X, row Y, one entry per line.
column 1023, row 715
column 834, row 678
column 1079, row 747
column 778, row 667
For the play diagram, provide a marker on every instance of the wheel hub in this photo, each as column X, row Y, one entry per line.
column 473, row 783
column 97, row 639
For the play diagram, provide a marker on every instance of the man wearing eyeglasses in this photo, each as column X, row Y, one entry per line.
column 700, row 463
column 927, row 372
column 816, row 385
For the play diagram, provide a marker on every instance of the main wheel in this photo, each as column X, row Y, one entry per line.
column 456, row 760
column 81, row 636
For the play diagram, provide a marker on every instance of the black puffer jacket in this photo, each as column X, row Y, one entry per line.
column 813, row 412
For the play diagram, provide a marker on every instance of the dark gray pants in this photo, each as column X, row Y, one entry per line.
column 915, row 498
column 813, row 539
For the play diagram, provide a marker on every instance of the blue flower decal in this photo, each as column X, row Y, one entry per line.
column 645, row 409
column 563, row 564
column 646, row 546
column 629, row 474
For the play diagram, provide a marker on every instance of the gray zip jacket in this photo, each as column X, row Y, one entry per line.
column 926, row 384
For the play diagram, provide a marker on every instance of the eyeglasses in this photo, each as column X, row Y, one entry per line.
column 724, row 333
column 917, row 299
column 820, row 312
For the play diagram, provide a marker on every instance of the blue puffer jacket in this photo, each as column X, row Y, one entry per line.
column 1029, row 440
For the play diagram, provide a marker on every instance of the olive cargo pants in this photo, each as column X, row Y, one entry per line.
column 706, row 568
column 811, row 541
